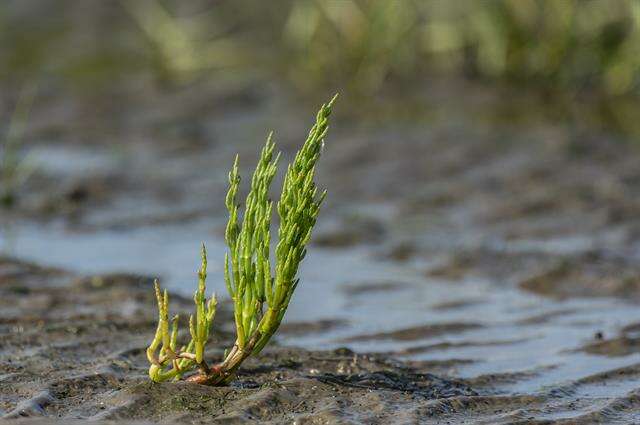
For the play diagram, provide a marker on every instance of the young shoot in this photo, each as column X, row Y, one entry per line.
column 260, row 293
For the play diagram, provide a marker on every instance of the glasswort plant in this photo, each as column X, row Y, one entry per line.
column 260, row 293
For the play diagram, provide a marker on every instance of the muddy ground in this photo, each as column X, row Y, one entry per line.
column 469, row 266
column 74, row 348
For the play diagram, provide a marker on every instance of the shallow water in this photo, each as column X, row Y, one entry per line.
column 514, row 331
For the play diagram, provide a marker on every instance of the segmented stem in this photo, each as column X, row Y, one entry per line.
column 260, row 295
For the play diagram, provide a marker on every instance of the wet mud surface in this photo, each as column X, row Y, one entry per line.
column 465, row 272
column 74, row 348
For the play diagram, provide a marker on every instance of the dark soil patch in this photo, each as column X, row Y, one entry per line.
column 587, row 275
column 417, row 332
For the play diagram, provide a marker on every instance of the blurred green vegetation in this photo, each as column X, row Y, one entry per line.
column 15, row 168
column 359, row 46
column 555, row 44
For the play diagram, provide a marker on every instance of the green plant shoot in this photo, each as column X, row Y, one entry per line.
column 260, row 293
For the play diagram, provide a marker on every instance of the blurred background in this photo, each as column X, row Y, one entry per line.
column 482, row 162
column 567, row 55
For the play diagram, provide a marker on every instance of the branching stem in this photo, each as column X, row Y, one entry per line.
column 260, row 295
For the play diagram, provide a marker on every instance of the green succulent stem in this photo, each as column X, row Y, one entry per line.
column 260, row 293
